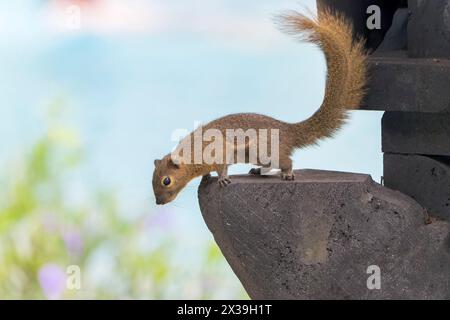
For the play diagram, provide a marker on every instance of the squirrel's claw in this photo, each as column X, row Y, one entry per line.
column 223, row 182
column 288, row 176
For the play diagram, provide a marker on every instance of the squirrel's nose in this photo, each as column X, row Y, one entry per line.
column 159, row 201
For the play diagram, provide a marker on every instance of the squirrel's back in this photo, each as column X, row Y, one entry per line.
column 346, row 79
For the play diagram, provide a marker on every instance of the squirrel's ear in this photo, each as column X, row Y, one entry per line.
column 175, row 162
column 157, row 162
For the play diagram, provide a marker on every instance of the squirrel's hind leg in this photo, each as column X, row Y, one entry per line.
column 286, row 168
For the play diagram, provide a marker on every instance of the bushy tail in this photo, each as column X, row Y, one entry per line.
column 346, row 75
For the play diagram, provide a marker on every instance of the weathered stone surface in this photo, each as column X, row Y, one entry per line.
column 429, row 29
column 416, row 133
column 426, row 179
column 315, row 237
column 397, row 83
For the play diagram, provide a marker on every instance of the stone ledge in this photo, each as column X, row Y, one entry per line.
column 398, row 83
column 315, row 237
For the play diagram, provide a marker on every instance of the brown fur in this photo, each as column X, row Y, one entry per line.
column 346, row 78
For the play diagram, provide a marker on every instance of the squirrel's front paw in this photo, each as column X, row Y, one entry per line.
column 223, row 182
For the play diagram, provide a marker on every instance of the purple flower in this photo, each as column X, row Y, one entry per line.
column 73, row 241
column 52, row 279
column 162, row 219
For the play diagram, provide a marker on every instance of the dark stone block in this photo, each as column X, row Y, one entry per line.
column 315, row 237
column 416, row 133
column 396, row 37
column 429, row 29
column 426, row 179
column 356, row 12
column 397, row 83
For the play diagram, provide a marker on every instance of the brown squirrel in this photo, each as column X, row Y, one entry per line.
column 346, row 79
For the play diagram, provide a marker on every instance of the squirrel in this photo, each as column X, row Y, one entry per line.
column 345, row 89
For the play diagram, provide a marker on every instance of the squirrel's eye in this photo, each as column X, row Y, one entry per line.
column 166, row 181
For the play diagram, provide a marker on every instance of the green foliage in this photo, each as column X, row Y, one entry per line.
column 42, row 232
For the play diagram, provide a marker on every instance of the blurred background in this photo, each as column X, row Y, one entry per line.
column 92, row 91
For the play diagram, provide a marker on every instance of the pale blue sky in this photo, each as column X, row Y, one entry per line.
column 128, row 89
